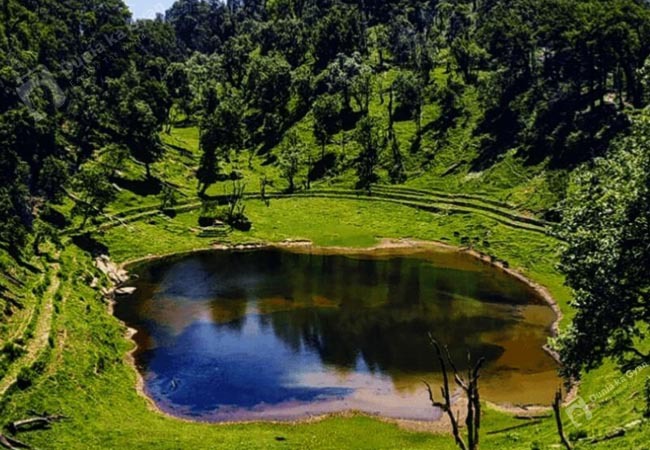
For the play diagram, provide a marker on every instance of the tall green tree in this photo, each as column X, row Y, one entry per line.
column 94, row 193
column 268, row 83
column 327, row 119
column 338, row 32
column 370, row 139
column 291, row 158
column 222, row 131
column 606, row 227
column 409, row 96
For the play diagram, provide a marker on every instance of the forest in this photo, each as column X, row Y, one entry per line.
column 519, row 129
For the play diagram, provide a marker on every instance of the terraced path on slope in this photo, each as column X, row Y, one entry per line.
column 429, row 200
column 41, row 334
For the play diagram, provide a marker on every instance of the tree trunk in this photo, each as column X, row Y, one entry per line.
column 471, row 389
column 557, row 402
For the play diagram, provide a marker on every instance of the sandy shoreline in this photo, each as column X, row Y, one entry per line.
column 385, row 246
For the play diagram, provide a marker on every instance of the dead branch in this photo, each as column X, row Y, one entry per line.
column 469, row 385
column 11, row 444
column 612, row 435
column 557, row 403
column 34, row 423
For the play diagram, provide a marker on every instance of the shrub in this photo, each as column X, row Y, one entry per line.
column 205, row 221
column 577, row 435
column 25, row 378
column 12, row 351
column 239, row 222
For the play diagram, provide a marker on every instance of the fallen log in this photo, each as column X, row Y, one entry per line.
column 11, row 443
column 614, row 434
column 34, row 423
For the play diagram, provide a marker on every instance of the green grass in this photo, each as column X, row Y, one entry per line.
column 95, row 387
column 89, row 379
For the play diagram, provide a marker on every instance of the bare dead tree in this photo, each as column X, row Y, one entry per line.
column 557, row 403
column 236, row 199
column 264, row 183
column 469, row 385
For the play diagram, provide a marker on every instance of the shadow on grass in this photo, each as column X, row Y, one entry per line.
column 89, row 244
column 143, row 188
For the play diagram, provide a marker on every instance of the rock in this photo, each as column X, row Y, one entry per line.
column 125, row 291
column 111, row 270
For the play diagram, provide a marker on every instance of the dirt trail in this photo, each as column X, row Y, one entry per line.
column 41, row 334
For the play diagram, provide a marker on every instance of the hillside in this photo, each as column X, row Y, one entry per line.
column 517, row 130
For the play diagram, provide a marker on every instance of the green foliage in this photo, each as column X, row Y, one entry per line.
column 576, row 435
column 168, row 198
column 12, row 351
column 396, row 171
column 142, row 108
column 268, row 82
column 496, row 90
column 52, row 178
column 291, row 158
column 350, row 77
column 606, row 228
column 177, row 80
column 221, row 132
column 95, row 193
column 409, row 91
column 371, row 140
column 338, row 32
column 327, row 119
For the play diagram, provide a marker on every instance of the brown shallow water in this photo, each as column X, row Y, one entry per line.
column 281, row 334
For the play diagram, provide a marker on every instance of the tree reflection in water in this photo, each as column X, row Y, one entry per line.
column 277, row 334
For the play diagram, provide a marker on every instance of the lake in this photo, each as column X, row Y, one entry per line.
column 281, row 334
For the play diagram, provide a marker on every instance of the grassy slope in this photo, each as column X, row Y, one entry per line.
column 95, row 388
column 86, row 377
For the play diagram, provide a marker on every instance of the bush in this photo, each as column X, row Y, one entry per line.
column 12, row 351
column 239, row 222
column 25, row 378
column 205, row 221
column 577, row 435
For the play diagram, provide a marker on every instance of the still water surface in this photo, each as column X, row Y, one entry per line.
column 280, row 334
